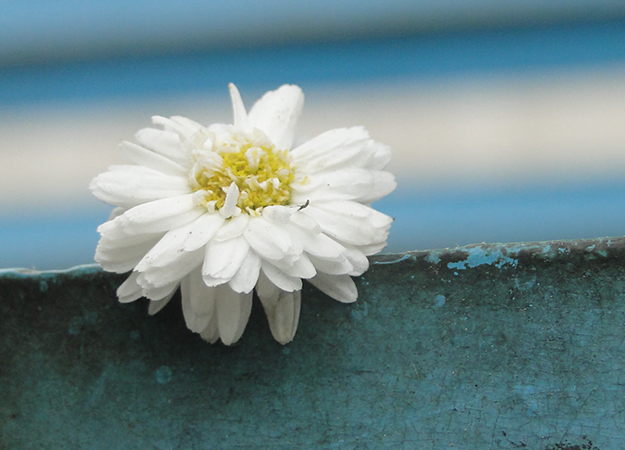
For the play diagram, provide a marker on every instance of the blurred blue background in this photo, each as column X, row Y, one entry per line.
column 507, row 118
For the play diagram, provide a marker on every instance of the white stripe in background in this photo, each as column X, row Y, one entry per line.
column 500, row 130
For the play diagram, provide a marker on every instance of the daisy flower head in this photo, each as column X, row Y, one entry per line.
column 225, row 210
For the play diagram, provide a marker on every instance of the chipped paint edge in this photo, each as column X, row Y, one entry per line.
column 499, row 255
column 502, row 255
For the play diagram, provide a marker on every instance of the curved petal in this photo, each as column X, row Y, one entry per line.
column 211, row 332
column 345, row 184
column 247, row 276
column 361, row 185
column 333, row 150
column 340, row 267
column 130, row 186
column 198, row 301
column 268, row 239
column 383, row 184
column 339, row 287
column 240, row 115
column 129, row 290
column 317, row 244
column 358, row 260
column 176, row 243
column 160, row 215
column 223, row 260
column 233, row 227
column 156, row 305
column 279, row 278
column 233, row 311
column 265, row 287
column 372, row 249
column 148, row 158
column 300, row 267
column 279, row 214
column 304, row 221
column 380, row 158
column 183, row 126
column 165, row 143
column 230, row 207
column 202, row 231
column 345, row 228
column 159, row 293
column 167, row 250
column 123, row 254
column 350, row 222
column 282, row 310
column 156, row 277
column 276, row 113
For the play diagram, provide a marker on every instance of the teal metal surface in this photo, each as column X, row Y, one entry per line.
column 477, row 347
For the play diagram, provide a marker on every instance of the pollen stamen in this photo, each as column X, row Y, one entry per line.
column 261, row 173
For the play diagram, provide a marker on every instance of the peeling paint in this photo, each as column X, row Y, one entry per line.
column 433, row 258
column 478, row 257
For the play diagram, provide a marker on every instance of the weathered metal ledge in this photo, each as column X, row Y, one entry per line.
column 485, row 346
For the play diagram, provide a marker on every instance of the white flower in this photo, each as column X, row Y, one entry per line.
column 224, row 210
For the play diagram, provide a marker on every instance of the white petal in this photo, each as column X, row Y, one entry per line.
column 123, row 254
column 345, row 184
column 380, row 158
column 230, row 207
column 189, row 126
column 333, row 150
column 223, row 260
column 156, row 277
column 265, row 287
column 117, row 212
column 247, row 276
column 198, row 301
column 383, row 184
column 164, row 143
column 165, row 251
column 344, row 228
column 124, row 241
column 211, row 332
column 158, row 293
column 300, row 267
column 318, row 245
column 233, row 227
column 372, row 249
column 182, row 240
column 129, row 186
column 233, row 311
column 161, row 215
column 113, row 229
column 340, row 267
column 150, row 159
column 358, row 259
column 202, row 231
column 156, row 305
column 276, row 113
column 339, row 287
column 279, row 214
column 360, row 185
column 129, row 290
column 270, row 240
column 240, row 116
column 351, row 222
column 282, row 310
column 302, row 220
column 181, row 125
column 279, row 278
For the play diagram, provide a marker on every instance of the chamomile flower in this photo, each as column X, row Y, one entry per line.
column 223, row 210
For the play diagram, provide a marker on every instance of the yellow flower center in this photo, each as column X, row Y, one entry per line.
column 260, row 171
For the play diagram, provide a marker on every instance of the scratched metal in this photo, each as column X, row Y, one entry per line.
column 490, row 346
